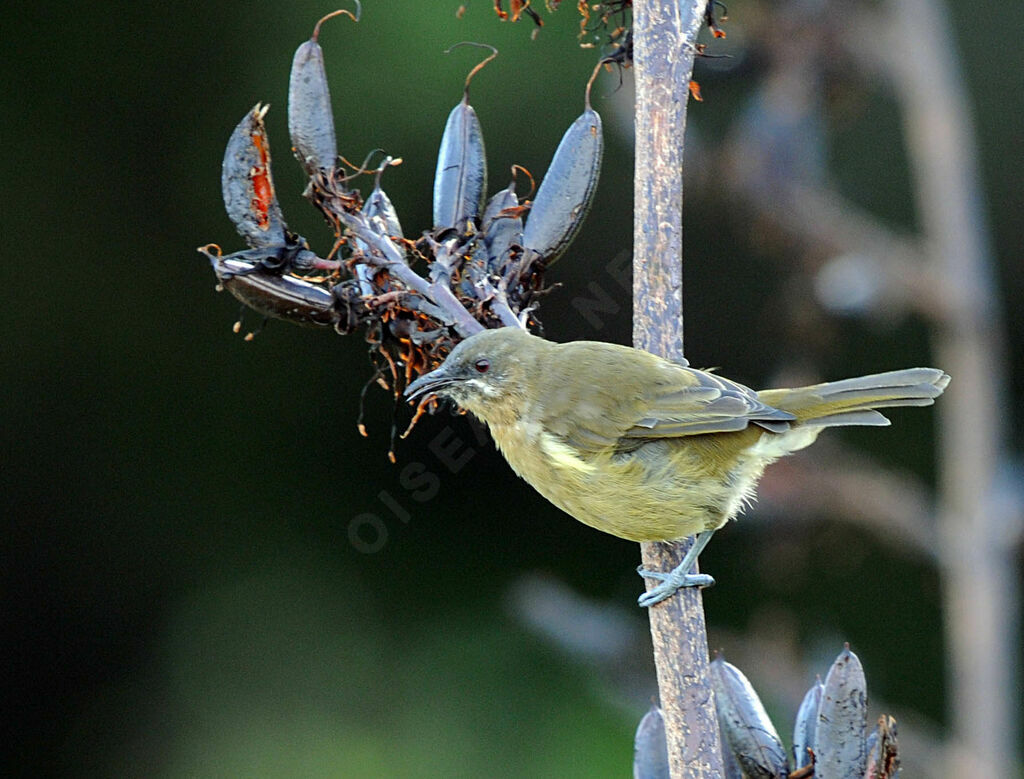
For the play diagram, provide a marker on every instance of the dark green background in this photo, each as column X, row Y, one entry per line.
column 180, row 596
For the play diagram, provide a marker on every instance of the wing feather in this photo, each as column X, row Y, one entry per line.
column 709, row 404
column 620, row 403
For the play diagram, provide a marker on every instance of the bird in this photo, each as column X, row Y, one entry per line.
column 645, row 448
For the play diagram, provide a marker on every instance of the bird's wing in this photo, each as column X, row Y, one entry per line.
column 601, row 397
column 701, row 403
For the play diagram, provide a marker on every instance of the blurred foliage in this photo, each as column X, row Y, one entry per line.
column 179, row 593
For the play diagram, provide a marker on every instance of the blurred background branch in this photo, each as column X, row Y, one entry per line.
column 980, row 582
column 945, row 275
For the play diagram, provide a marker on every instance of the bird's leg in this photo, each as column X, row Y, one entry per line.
column 678, row 576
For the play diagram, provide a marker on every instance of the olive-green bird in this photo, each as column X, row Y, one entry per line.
column 641, row 447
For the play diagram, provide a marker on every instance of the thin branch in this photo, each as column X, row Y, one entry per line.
column 443, row 296
column 385, row 254
column 665, row 34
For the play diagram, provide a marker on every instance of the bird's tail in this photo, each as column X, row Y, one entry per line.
column 854, row 401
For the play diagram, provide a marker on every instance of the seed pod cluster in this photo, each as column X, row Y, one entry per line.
column 484, row 263
column 830, row 738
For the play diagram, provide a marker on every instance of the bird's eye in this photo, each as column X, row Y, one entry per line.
column 482, row 366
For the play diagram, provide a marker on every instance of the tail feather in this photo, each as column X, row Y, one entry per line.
column 853, row 401
column 867, row 417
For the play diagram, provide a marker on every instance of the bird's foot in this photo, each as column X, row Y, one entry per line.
column 670, row 582
column 678, row 576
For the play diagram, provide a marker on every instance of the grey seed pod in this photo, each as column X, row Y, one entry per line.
column 842, row 719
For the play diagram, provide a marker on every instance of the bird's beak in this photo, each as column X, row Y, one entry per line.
column 429, row 383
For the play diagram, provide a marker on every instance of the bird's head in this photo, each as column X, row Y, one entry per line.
column 488, row 374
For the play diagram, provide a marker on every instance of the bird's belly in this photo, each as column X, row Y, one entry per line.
column 662, row 492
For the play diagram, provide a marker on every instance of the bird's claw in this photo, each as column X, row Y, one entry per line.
column 670, row 582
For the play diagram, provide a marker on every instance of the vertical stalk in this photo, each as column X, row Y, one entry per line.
column 665, row 34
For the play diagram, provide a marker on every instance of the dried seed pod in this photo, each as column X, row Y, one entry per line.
column 502, row 226
column 383, row 218
column 281, row 297
column 650, row 751
column 567, row 190
column 379, row 205
column 745, row 725
column 257, row 276
column 291, row 257
column 806, row 722
column 310, row 116
column 247, row 185
column 882, row 750
column 839, row 747
column 499, row 202
column 730, row 768
column 871, row 748
column 460, row 180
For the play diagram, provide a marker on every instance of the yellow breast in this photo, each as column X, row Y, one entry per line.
column 663, row 491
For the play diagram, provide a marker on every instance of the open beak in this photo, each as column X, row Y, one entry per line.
column 429, row 383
